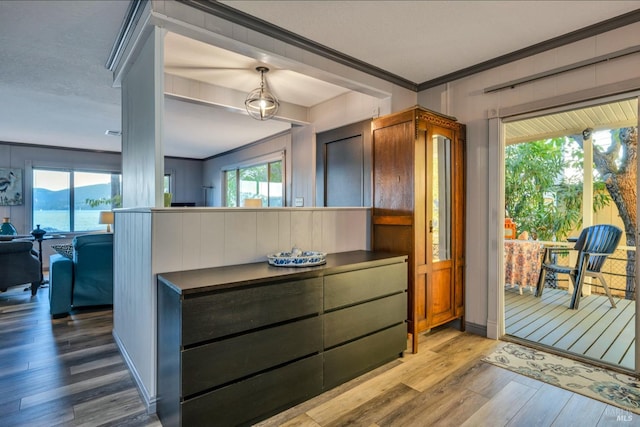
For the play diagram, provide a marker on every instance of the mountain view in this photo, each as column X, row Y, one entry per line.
column 55, row 200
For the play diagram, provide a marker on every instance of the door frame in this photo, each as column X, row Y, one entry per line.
column 496, row 175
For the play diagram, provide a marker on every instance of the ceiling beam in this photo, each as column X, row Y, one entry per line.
column 190, row 90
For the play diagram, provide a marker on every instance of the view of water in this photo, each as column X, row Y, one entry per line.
column 58, row 220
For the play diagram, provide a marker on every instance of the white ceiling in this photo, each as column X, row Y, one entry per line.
column 56, row 91
column 611, row 115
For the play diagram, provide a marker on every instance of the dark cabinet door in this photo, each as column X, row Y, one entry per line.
column 344, row 172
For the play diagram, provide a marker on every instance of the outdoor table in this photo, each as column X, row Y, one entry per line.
column 522, row 263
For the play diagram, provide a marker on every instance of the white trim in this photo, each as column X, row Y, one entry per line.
column 149, row 401
column 256, row 161
column 571, row 101
column 495, row 231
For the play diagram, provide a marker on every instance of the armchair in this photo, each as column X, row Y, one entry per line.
column 594, row 245
column 19, row 265
column 86, row 279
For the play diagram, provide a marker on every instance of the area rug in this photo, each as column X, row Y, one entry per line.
column 597, row 383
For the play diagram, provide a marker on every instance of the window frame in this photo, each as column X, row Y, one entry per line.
column 72, row 189
column 267, row 161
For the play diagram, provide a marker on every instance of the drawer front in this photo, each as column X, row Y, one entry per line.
column 224, row 313
column 357, row 357
column 212, row 365
column 352, row 287
column 362, row 319
column 256, row 398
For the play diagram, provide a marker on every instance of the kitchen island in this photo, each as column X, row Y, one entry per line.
column 237, row 344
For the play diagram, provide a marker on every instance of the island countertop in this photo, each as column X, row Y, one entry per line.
column 232, row 276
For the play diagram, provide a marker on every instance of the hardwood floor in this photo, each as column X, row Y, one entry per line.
column 65, row 372
column 68, row 372
column 447, row 384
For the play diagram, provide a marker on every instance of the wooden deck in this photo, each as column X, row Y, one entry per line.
column 595, row 331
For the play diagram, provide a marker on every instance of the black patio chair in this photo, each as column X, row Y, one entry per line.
column 594, row 245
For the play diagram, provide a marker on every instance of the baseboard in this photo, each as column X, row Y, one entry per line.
column 474, row 328
column 149, row 401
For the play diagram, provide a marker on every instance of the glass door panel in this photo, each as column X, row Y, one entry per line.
column 440, row 222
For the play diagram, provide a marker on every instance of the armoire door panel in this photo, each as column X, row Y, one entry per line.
column 441, row 296
column 393, row 170
column 430, row 148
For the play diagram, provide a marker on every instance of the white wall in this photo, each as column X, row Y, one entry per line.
column 466, row 100
column 142, row 116
column 193, row 238
column 303, row 160
column 134, row 300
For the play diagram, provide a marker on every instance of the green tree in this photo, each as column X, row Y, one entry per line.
column 540, row 196
column 616, row 165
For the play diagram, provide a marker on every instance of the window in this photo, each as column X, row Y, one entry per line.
column 263, row 181
column 167, row 183
column 65, row 200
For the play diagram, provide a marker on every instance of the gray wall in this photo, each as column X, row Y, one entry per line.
column 186, row 179
column 214, row 168
column 26, row 157
column 187, row 173
column 466, row 100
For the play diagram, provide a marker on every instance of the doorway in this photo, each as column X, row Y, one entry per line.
column 565, row 170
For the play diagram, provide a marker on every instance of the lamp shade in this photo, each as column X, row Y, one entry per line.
column 252, row 203
column 106, row 217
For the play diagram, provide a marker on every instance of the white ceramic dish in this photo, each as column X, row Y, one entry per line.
column 297, row 258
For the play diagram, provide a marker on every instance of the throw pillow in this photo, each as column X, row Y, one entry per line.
column 65, row 249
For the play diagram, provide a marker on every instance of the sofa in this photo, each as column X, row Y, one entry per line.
column 84, row 277
column 19, row 265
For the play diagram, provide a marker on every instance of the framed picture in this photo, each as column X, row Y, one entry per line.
column 10, row 187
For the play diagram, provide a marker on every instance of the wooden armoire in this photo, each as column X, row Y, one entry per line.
column 418, row 209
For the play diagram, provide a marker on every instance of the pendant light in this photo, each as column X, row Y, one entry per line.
column 260, row 103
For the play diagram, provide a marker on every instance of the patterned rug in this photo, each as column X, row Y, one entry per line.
column 601, row 384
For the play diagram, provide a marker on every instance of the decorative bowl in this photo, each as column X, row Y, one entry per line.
column 297, row 258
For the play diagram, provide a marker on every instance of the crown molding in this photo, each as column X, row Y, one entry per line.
column 565, row 39
column 235, row 16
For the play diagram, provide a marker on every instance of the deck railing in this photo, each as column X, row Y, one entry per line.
column 619, row 272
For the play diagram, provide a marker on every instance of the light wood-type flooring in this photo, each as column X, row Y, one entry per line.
column 68, row 372
column 595, row 331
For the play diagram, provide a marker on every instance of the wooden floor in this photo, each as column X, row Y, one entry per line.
column 65, row 372
column 595, row 331
column 68, row 372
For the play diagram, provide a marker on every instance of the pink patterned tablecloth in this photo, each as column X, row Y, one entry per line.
column 522, row 262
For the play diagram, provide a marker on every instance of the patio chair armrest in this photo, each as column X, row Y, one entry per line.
column 552, row 249
column 596, row 254
column 549, row 250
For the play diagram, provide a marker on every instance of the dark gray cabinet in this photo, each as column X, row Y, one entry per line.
column 240, row 343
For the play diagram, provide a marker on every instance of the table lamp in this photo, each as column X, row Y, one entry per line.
column 106, row 217
column 252, row 203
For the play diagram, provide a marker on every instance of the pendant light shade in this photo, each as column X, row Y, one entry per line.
column 260, row 103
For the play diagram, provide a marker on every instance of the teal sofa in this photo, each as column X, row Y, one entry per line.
column 86, row 279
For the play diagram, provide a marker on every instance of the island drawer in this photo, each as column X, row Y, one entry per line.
column 361, row 285
column 257, row 397
column 211, row 365
column 230, row 312
column 362, row 319
column 357, row 357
